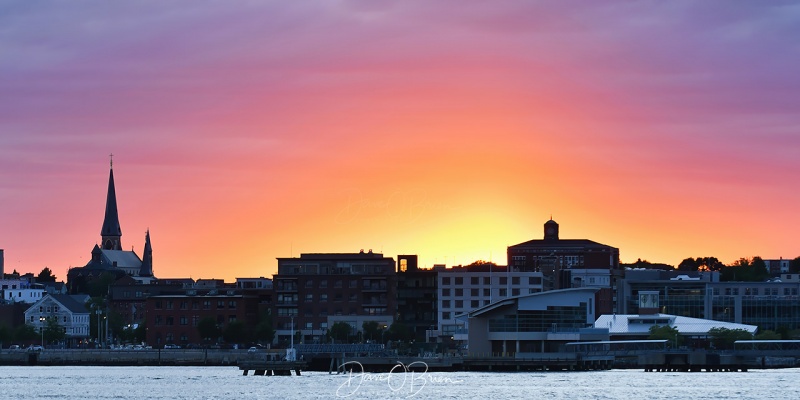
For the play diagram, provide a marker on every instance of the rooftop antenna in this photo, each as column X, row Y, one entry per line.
column 111, row 157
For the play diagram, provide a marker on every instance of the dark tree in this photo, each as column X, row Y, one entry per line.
column 372, row 330
column 479, row 263
column 208, row 329
column 340, row 331
column 5, row 335
column 665, row 332
column 235, row 332
column 768, row 335
column 25, row 333
column 53, row 332
column 745, row 270
column 794, row 266
column 45, row 276
column 688, row 264
column 723, row 338
column 264, row 332
column 399, row 332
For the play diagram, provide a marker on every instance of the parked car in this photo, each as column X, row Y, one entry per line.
column 252, row 350
column 172, row 346
column 14, row 347
column 35, row 348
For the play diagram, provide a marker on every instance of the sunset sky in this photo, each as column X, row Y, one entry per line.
column 249, row 130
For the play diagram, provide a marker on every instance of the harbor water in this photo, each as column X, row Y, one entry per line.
column 40, row 382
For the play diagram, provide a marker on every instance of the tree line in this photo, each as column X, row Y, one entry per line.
column 742, row 270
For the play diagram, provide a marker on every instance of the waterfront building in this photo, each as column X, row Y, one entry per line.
column 174, row 318
column 778, row 267
column 566, row 263
column 417, row 303
column 773, row 305
column 21, row 290
column 69, row 311
column 314, row 291
column 534, row 323
column 127, row 298
column 680, row 293
column 463, row 289
column 637, row 326
column 769, row 305
column 108, row 257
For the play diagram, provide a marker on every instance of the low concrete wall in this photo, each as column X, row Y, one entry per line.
column 130, row 357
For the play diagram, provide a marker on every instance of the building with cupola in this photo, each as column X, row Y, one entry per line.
column 569, row 263
column 109, row 259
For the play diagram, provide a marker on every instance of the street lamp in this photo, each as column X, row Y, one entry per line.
column 42, row 318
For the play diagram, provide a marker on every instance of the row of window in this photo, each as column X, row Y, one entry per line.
column 485, row 292
column 754, row 291
column 291, row 299
column 485, row 280
column 366, row 284
column 184, row 320
column 308, row 312
column 184, row 305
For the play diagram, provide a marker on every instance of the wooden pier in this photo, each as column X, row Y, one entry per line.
column 272, row 368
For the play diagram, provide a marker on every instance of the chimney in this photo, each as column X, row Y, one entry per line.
column 2, row 271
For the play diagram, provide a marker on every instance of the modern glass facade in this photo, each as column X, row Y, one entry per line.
column 683, row 298
column 553, row 319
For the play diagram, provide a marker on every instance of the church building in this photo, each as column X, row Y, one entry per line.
column 109, row 260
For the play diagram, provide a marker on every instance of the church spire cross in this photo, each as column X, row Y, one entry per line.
column 111, row 158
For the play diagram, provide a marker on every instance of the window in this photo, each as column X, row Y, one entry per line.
column 445, row 303
column 232, row 304
column 515, row 292
column 487, row 292
column 459, row 303
column 445, row 315
column 503, row 292
column 323, row 283
column 323, row 297
column 459, row 280
column 184, row 305
column 446, row 292
column 474, row 292
column 309, row 297
column 475, row 280
column 309, row 283
column 515, row 280
column 206, row 304
column 158, row 304
column 220, row 303
column 487, row 281
column 503, row 280
column 459, row 292
column 475, row 303
column 169, row 304
column 184, row 320
column 445, row 280
column 353, row 284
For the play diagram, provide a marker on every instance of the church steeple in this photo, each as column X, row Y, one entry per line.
column 147, row 257
column 111, row 232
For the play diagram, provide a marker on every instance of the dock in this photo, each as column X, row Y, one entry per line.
column 272, row 368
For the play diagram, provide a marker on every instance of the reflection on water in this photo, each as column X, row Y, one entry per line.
column 228, row 383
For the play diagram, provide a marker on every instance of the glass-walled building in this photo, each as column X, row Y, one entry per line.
column 768, row 305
